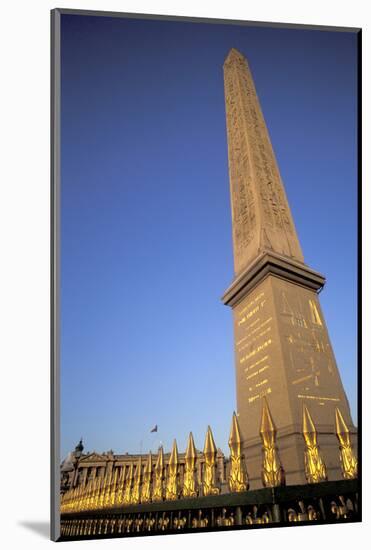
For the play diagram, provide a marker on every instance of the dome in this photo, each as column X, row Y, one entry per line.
column 79, row 447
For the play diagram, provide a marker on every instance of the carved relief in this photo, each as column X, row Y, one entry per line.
column 256, row 188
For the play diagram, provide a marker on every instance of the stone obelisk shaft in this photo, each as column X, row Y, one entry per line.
column 261, row 215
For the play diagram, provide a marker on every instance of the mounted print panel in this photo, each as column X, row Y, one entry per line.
column 204, row 187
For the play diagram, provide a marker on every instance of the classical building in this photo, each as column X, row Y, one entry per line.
column 80, row 469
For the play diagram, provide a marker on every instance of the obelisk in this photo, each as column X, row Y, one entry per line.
column 282, row 347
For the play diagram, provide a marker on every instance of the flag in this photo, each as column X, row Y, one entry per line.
column 154, row 429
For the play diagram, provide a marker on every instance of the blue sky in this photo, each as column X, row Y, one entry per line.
column 146, row 239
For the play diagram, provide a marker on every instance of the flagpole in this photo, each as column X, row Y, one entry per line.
column 154, row 431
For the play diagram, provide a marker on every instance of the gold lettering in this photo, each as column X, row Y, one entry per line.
column 249, row 334
column 252, row 340
column 256, row 350
column 319, row 398
column 262, row 325
column 248, row 315
column 257, row 372
column 259, row 395
column 259, row 296
column 257, row 363
column 247, row 328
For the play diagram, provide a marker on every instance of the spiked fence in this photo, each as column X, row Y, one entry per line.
column 156, row 499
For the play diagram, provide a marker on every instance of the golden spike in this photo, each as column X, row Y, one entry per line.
column 107, row 490
column 93, row 494
column 209, row 482
column 74, row 499
column 348, row 461
column 77, row 498
column 267, row 425
column 158, row 489
column 135, row 495
column 81, row 497
column 210, row 447
column 272, row 473
column 98, row 492
column 308, row 424
column 341, row 427
column 238, row 480
column 69, row 500
column 128, row 485
column 147, row 480
column 172, row 485
column 112, row 495
column 79, row 502
column 315, row 469
column 102, row 491
column 190, row 481
column 120, row 487
column 86, row 495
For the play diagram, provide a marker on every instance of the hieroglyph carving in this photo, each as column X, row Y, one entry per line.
column 260, row 212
